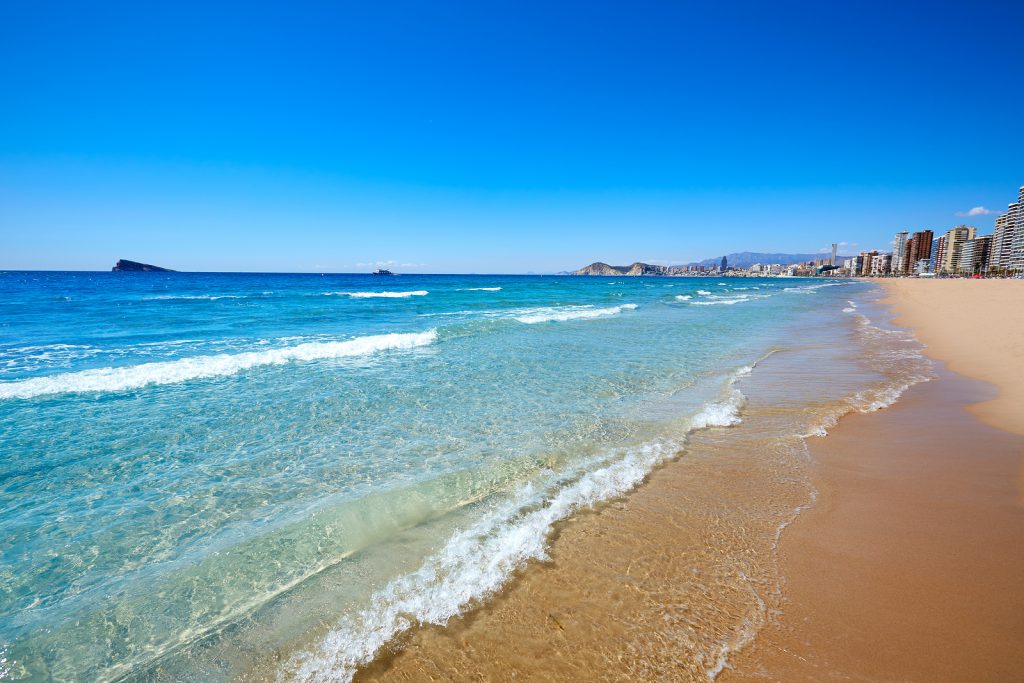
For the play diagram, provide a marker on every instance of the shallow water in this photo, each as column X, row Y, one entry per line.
column 203, row 472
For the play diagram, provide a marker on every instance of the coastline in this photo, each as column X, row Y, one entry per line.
column 976, row 327
column 908, row 566
column 916, row 549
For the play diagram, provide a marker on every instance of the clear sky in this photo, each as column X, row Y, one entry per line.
column 496, row 136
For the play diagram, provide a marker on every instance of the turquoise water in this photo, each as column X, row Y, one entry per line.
column 198, row 466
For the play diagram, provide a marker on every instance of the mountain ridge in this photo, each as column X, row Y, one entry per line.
column 742, row 259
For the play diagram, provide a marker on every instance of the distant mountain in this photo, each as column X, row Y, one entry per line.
column 599, row 268
column 126, row 266
column 745, row 259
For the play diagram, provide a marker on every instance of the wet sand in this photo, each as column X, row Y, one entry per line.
column 906, row 568
column 977, row 328
column 909, row 567
column 647, row 588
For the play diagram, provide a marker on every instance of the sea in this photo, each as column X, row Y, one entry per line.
column 276, row 476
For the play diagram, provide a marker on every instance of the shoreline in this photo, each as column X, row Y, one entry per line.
column 545, row 624
column 908, row 565
column 975, row 327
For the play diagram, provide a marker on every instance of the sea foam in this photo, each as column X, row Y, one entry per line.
column 201, row 367
column 542, row 315
column 379, row 295
column 476, row 562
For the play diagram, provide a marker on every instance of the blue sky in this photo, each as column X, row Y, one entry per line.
column 496, row 136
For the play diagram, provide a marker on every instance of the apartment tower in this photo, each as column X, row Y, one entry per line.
column 899, row 247
column 954, row 242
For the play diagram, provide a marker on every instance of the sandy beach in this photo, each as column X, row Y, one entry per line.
column 906, row 567
column 976, row 327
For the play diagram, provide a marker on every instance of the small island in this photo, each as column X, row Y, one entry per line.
column 126, row 266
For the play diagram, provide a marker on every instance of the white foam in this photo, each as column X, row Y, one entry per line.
column 476, row 562
column 187, row 297
column 379, row 295
column 683, row 297
column 703, row 292
column 724, row 413
column 810, row 289
column 478, row 289
column 723, row 302
column 472, row 566
column 572, row 313
column 201, row 367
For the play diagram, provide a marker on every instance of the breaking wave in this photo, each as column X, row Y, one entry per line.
column 476, row 562
column 201, row 367
column 379, row 295
column 571, row 313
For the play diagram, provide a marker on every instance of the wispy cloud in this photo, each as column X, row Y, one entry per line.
column 976, row 211
column 839, row 245
column 377, row 264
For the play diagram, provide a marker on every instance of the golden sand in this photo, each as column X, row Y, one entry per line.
column 977, row 328
column 908, row 566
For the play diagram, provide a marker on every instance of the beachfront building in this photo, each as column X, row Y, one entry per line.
column 1007, row 253
column 949, row 258
column 864, row 263
column 1002, row 242
column 881, row 265
column 899, row 247
column 974, row 255
column 918, row 247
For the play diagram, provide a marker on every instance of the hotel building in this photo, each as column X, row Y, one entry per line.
column 948, row 258
column 918, row 248
column 1008, row 238
column 974, row 255
column 899, row 247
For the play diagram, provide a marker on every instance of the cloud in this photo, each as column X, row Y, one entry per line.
column 976, row 211
column 839, row 246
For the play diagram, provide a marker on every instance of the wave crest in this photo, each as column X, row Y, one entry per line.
column 202, row 367
column 575, row 313
column 379, row 295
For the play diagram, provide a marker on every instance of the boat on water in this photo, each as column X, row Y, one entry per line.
column 382, row 271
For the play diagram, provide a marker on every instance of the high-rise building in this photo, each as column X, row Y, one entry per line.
column 954, row 242
column 881, row 264
column 832, row 261
column 1008, row 238
column 725, row 264
column 918, row 247
column 974, row 255
column 1002, row 240
column 899, row 247
column 864, row 262
column 940, row 254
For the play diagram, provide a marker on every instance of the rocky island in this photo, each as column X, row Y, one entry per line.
column 126, row 266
